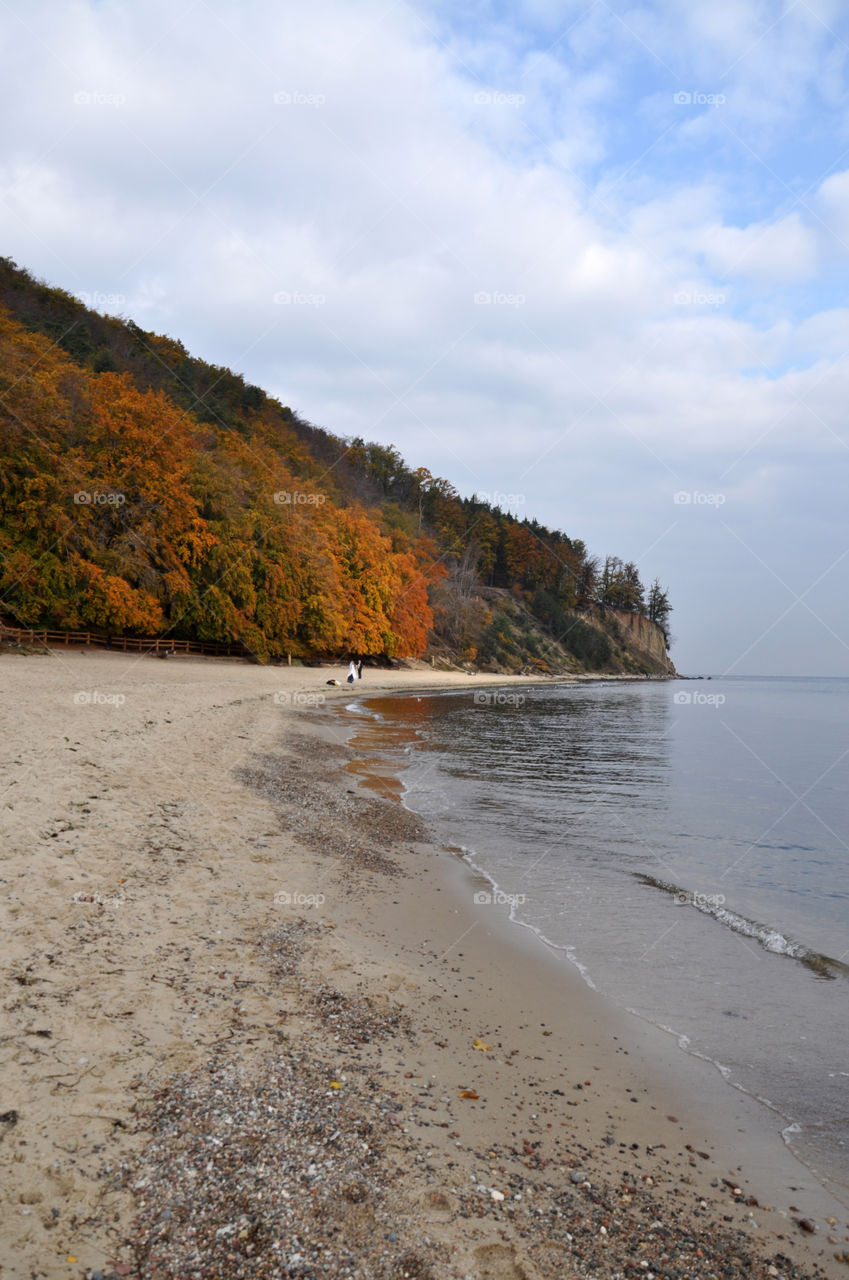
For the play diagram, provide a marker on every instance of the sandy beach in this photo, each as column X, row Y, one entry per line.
column 255, row 1023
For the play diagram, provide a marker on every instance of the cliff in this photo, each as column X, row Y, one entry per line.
column 145, row 493
column 643, row 639
column 495, row 631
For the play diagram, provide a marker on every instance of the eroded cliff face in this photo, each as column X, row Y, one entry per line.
column 645, row 640
column 505, row 637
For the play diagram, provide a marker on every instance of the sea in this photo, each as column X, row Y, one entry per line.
column 683, row 844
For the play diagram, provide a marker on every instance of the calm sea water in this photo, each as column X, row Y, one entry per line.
column 684, row 844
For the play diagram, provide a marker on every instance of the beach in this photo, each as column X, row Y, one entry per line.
column 255, row 1023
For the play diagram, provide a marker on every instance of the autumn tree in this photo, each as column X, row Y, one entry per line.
column 186, row 534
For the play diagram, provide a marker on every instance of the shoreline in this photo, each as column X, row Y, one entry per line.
column 766, row 1124
column 727, row 1108
column 177, row 998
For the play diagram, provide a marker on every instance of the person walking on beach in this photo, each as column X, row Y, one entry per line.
column 352, row 672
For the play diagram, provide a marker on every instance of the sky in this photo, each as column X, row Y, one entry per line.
column 588, row 259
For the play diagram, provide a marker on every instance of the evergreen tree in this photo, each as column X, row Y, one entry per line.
column 658, row 608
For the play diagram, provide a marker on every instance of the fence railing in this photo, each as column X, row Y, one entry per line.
column 123, row 644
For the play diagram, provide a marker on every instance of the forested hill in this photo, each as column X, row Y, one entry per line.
column 143, row 491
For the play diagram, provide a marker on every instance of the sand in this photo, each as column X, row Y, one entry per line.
column 220, row 945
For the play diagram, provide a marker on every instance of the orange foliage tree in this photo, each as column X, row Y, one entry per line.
column 119, row 511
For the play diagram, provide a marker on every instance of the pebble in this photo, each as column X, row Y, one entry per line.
column 315, row 1182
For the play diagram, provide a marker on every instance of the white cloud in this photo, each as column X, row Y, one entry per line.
column 831, row 205
column 767, row 252
column 380, row 187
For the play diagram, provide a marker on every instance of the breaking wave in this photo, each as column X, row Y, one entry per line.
column 770, row 939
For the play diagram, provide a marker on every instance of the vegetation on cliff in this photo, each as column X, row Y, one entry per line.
column 145, row 491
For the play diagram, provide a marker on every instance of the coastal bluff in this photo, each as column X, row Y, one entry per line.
column 645, row 640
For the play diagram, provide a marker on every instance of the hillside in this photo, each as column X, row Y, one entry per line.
column 145, row 492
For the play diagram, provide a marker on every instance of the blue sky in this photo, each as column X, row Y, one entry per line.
column 491, row 235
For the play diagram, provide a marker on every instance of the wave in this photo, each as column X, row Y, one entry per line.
column 822, row 966
column 359, row 708
column 514, row 901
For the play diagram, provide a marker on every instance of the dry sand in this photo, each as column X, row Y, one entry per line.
column 243, row 999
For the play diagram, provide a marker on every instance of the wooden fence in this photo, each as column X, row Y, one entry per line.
column 123, row 644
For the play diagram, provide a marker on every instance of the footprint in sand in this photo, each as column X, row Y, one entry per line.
column 439, row 1204
column 498, row 1262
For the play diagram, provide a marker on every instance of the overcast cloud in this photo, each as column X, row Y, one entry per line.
column 593, row 255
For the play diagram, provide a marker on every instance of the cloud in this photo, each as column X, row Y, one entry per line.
column 831, row 208
column 571, row 279
column 769, row 253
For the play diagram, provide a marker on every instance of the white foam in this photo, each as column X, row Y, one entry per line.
column 567, row 951
column 769, row 938
column 359, row 709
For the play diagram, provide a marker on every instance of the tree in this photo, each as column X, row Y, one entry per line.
column 423, row 482
column 620, row 586
column 215, row 511
column 658, row 608
column 634, row 592
column 609, row 584
column 587, row 584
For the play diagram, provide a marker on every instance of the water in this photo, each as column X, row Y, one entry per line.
column 683, row 844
